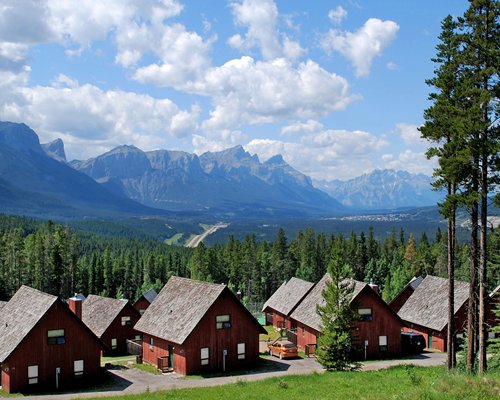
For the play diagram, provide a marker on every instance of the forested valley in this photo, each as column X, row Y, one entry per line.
column 62, row 261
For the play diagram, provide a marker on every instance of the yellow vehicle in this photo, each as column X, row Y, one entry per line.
column 283, row 349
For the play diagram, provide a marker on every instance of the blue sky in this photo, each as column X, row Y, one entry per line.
column 337, row 87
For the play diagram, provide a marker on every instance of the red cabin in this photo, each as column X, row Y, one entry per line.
column 43, row 345
column 426, row 310
column 378, row 330
column 405, row 294
column 198, row 327
column 111, row 320
column 145, row 300
column 281, row 304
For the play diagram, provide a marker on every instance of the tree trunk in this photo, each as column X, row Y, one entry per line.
column 450, row 344
column 472, row 306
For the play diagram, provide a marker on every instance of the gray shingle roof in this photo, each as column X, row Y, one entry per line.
column 99, row 312
column 288, row 295
column 2, row 304
column 305, row 312
column 428, row 304
column 150, row 295
column 178, row 308
column 20, row 315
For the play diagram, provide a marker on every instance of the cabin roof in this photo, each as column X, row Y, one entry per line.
column 179, row 307
column 305, row 312
column 288, row 295
column 20, row 315
column 99, row 312
column 2, row 304
column 427, row 306
column 150, row 295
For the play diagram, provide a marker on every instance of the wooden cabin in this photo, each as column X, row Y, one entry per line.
column 43, row 345
column 281, row 304
column 111, row 320
column 377, row 332
column 426, row 310
column 198, row 327
column 405, row 294
column 145, row 300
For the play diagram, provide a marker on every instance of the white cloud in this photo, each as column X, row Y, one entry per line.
column 259, row 16
column 255, row 92
column 328, row 154
column 309, row 126
column 392, row 66
column 185, row 56
column 412, row 161
column 85, row 114
column 292, row 49
column 337, row 15
column 410, row 134
column 362, row 46
column 217, row 141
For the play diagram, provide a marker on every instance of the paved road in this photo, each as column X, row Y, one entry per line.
column 195, row 240
column 131, row 381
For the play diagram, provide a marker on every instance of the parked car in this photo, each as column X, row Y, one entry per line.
column 283, row 349
column 412, row 342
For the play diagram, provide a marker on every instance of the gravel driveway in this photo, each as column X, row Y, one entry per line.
column 129, row 381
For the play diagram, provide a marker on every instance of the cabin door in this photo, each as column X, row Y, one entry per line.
column 430, row 340
column 170, row 356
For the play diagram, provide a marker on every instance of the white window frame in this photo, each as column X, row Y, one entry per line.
column 32, row 374
column 364, row 313
column 205, row 355
column 78, row 367
column 223, row 321
column 57, row 335
column 382, row 343
column 241, row 351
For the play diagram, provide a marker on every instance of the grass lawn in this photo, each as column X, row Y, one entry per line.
column 272, row 334
column 402, row 382
column 117, row 360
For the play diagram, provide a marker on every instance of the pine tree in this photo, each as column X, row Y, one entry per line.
column 336, row 341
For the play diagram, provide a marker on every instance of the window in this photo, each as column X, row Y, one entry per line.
column 114, row 344
column 491, row 335
column 204, row 355
column 125, row 320
column 382, row 343
column 365, row 314
column 137, row 337
column 56, row 336
column 32, row 374
column 223, row 321
column 78, row 367
column 142, row 311
column 241, row 351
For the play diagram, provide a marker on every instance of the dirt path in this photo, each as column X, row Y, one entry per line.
column 133, row 381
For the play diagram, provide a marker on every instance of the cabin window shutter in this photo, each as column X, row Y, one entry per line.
column 33, row 374
column 382, row 343
column 241, row 351
column 204, row 355
column 78, row 367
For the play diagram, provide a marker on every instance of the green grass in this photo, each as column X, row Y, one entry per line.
column 148, row 368
column 175, row 240
column 272, row 334
column 403, row 382
column 120, row 360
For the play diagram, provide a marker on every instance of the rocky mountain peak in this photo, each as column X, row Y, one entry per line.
column 55, row 149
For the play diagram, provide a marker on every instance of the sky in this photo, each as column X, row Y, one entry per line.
column 336, row 87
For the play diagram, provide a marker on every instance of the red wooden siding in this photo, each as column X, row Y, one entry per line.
column 117, row 331
column 439, row 337
column 80, row 344
column 141, row 304
column 187, row 357
column 383, row 323
column 401, row 298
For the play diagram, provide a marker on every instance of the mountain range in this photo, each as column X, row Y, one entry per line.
column 37, row 179
column 382, row 190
